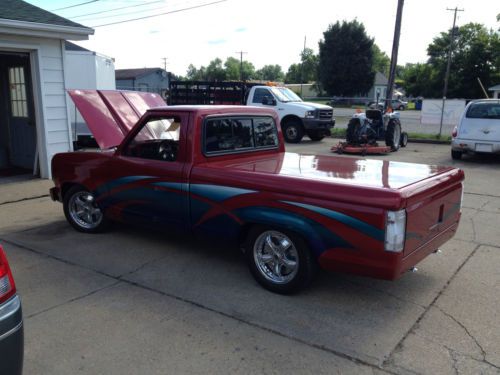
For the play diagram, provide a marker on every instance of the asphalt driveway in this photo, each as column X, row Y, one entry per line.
column 137, row 302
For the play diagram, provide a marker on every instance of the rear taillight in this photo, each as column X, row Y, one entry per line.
column 454, row 133
column 7, row 286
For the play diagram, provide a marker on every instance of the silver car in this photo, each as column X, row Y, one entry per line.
column 478, row 129
column 11, row 322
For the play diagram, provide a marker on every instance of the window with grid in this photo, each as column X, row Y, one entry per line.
column 18, row 99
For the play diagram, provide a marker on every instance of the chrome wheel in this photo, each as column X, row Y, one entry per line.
column 291, row 132
column 84, row 211
column 276, row 257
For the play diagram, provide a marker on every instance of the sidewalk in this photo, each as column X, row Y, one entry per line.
column 15, row 190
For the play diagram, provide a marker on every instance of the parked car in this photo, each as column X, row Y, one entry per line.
column 396, row 104
column 478, row 129
column 223, row 171
column 11, row 322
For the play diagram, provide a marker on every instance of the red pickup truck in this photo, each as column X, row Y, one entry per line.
column 223, row 171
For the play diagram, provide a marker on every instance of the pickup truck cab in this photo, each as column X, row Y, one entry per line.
column 297, row 118
column 223, row 171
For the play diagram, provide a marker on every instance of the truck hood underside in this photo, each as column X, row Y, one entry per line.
column 111, row 114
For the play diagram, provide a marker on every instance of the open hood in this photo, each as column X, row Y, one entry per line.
column 111, row 114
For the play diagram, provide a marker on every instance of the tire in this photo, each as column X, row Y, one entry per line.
column 393, row 135
column 286, row 267
column 293, row 131
column 82, row 212
column 315, row 136
column 350, row 135
column 456, row 155
column 404, row 139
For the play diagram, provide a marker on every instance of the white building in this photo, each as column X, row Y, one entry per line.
column 34, row 110
column 86, row 70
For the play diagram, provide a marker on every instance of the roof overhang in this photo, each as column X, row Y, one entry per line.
column 43, row 30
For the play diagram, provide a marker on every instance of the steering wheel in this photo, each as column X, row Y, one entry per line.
column 167, row 151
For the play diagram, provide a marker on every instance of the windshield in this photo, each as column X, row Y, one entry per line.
column 285, row 95
column 484, row 110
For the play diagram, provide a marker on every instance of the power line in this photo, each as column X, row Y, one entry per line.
column 76, row 5
column 161, row 14
column 111, row 10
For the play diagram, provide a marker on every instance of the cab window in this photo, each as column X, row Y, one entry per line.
column 227, row 135
column 260, row 94
column 158, row 139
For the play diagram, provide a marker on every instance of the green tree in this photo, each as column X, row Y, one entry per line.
column 270, row 73
column 420, row 80
column 215, row 71
column 306, row 71
column 381, row 62
column 346, row 59
column 248, row 71
column 476, row 54
column 232, row 66
column 195, row 74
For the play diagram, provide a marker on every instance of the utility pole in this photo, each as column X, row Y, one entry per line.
column 394, row 54
column 448, row 65
column 241, row 64
column 164, row 59
column 302, row 68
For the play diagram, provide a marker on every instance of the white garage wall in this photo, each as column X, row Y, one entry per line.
column 47, row 62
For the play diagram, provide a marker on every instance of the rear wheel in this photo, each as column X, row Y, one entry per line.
column 393, row 135
column 293, row 131
column 82, row 212
column 279, row 260
column 456, row 155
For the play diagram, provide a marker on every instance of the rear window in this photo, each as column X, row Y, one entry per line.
column 484, row 110
column 236, row 134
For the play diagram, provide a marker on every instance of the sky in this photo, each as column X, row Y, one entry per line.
column 268, row 31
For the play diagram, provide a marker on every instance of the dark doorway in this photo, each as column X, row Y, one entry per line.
column 17, row 117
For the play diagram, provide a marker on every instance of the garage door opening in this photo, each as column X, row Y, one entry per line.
column 17, row 115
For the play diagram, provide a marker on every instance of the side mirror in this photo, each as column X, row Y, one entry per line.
column 266, row 100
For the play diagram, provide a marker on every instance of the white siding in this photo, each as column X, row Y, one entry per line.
column 48, row 79
column 87, row 70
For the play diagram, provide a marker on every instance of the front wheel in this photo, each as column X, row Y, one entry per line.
column 279, row 260
column 82, row 211
column 404, row 139
column 293, row 131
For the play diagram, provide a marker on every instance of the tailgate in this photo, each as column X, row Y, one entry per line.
column 432, row 208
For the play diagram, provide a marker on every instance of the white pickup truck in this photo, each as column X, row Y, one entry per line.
column 297, row 118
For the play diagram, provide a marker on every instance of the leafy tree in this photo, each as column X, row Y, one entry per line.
column 215, row 71
column 270, row 73
column 306, row 71
column 476, row 54
column 293, row 74
column 381, row 62
column 232, row 66
column 346, row 59
column 195, row 74
column 248, row 71
column 420, row 80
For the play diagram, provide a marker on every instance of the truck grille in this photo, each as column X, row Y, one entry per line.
column 326, row 114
